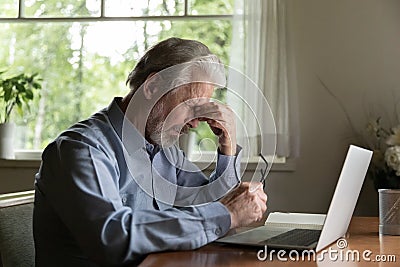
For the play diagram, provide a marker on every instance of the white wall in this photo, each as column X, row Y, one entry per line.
column 354, row 46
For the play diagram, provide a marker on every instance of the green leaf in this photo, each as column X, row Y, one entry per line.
column 18, row 102
column 37, row 85
column 20, row 87
column 29, row 94
column 7, row 93
column 15, row 79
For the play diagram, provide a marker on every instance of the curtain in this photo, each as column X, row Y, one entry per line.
column 261, row 52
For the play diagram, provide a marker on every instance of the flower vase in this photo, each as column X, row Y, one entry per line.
column 7, row 140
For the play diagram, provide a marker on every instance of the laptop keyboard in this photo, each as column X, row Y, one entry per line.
column 295, row 237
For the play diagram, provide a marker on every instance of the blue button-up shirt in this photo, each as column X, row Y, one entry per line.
column 91, row 207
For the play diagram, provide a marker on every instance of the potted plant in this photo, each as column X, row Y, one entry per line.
column 385, row 166
column 15, row 92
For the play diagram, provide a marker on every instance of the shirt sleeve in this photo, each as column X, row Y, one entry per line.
column 227, row 167
column 195, row 189
column 80, row 182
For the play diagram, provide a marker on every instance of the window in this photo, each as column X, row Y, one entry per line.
column 84, row 49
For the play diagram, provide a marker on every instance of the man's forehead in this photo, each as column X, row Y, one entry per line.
column 195, row 91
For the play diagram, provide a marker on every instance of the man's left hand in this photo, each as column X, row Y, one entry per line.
column 222, row 122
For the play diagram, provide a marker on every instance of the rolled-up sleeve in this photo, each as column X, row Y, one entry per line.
column 80, row 180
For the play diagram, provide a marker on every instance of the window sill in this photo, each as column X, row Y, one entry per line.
column 288, row 166
column 23, row 159
column 206, row 161
column 32, row 159
column 28, row 154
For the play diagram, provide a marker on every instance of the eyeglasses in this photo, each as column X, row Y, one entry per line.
column 263, row 171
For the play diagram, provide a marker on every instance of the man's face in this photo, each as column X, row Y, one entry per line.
column 173, row 114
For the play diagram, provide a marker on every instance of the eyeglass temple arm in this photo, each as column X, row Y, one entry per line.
column 263, row 172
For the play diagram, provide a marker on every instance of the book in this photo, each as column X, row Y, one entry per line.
column 296, row 220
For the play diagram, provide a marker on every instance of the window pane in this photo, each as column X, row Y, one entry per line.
column 9, row 8
column 137, row 8
column 80, row 78
column 216, row 34
column 206, row 7
column 61, row 8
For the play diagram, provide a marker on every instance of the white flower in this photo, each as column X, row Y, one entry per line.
column 392, row 158
column 372, row 127
column 394, row 139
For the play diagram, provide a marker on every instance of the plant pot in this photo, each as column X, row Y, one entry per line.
column 389, row 211
column 7, row 140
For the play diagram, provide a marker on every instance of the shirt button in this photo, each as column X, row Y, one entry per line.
column 218, row 231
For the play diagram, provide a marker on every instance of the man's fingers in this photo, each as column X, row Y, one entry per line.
column 205, row 107
column 262, row 195
column 259, row 209
column 253, row 184
column 246, row 204
column 244, row 185
column 212, row 110
column 217, row 127
column 221, row 120
column 263, row 206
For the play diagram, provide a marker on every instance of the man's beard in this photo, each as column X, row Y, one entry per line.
column 156, row 130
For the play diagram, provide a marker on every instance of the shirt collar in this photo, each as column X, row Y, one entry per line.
column 126, row 131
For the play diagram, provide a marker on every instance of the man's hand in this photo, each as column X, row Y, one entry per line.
column 244, row 206
column 222, row 122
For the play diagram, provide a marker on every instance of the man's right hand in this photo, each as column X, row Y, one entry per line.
column 244, row 206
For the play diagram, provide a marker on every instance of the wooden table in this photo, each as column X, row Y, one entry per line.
column 362, row 237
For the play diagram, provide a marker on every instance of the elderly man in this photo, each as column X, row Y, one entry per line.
column 116, row 187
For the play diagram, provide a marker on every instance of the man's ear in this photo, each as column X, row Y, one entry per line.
column 150, row 86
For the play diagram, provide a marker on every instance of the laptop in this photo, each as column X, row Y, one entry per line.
column 336, row 220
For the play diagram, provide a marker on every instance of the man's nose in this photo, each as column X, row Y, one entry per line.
column 194, row 123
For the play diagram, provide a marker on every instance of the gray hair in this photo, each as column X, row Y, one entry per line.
column 176, row 51
column 206, row 69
